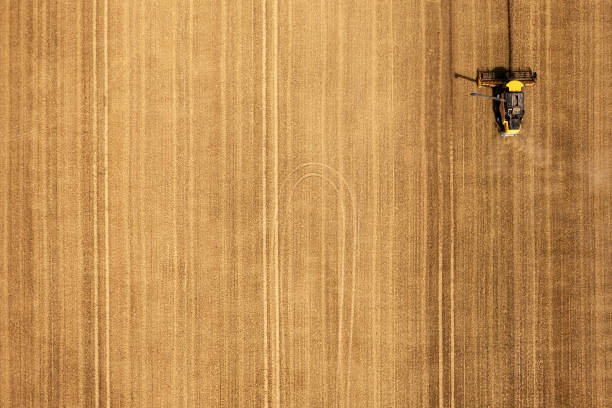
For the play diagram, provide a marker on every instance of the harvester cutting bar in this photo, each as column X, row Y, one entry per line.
column 525, row 76
column 502, row 76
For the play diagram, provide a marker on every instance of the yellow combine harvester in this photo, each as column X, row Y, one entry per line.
column 508, row 97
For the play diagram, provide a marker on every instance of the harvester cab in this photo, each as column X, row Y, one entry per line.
column 508, row 96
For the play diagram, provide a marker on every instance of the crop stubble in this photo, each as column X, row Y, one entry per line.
column 297, row 203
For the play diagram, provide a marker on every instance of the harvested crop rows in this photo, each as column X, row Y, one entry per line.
column 291, row 203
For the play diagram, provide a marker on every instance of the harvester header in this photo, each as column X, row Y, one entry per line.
column 498, row 77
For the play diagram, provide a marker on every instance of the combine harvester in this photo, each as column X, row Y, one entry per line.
column 508, row 97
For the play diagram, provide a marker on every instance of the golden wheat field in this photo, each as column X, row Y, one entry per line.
column 289, row 203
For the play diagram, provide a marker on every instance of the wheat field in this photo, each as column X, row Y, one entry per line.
column 295, row 203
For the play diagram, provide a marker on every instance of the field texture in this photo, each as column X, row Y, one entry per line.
column 297, row 203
